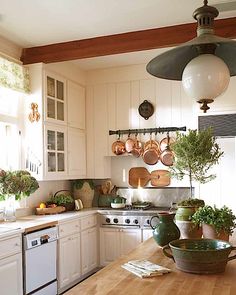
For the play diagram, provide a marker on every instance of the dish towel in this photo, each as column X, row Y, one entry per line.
column 145, row 268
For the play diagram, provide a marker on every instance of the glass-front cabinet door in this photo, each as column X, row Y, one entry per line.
column 55, row 99
column 55, row 150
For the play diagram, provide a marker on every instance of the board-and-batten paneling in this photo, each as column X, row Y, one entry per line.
column 113, row 106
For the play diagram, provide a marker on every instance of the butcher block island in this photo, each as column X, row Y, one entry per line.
column 113, row 279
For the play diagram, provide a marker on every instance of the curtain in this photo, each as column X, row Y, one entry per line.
column 14, row 76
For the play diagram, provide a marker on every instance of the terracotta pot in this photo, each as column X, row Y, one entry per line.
column 189, row 230
column 209, row 232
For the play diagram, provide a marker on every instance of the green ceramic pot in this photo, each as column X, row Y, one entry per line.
column 202, row 256
column 184, row 213
column 165, row 230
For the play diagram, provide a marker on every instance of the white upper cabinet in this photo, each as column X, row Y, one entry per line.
column 56, row 144
column 76, row 105
column 76, row 153
column 55, row 98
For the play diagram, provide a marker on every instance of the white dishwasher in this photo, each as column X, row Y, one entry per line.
column 40, row 262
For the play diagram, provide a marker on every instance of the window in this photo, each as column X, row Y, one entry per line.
column 10, row 102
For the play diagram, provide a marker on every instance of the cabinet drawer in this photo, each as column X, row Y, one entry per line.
column 88, row 221
column 69, row 228
column 10, row 246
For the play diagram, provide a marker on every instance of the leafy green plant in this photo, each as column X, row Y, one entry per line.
column 61, row 199
column 192, row 202
column 195, row 153
column 19, row 183
column 78, row 183
column 221, row 219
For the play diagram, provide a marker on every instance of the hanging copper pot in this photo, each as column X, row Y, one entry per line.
column 164, row 142
column 137, row 150
column 151, row 152
column 167, row 156
column 129, row 144
column 118, row 147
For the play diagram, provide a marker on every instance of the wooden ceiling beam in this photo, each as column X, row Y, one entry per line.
column 123, row 43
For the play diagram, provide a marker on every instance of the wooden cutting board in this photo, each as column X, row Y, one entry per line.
column 140, row 176
column 160, row 178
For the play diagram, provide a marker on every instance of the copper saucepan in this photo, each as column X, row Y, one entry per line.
column 137, row 150
column 118, row 147
column 129, row 144
column 151, row 152
column 167, row 155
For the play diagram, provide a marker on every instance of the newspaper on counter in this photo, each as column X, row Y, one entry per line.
column 145, row 268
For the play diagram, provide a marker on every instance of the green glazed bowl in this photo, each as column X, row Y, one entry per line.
column 202, row 256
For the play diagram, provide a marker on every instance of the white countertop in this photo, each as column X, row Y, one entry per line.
column 31, row 222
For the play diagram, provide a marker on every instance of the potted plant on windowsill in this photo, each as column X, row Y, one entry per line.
column 195, row 153
column 216, row 223
column 15, row 185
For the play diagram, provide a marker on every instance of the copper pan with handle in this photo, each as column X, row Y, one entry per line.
column 151, row 152
column 167, row 155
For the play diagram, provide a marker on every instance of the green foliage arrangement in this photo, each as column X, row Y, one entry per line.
column 19, row 183
column 221, row 219
column 192, row 202
column 195, row 153
column 78, row 183
column 61, row 199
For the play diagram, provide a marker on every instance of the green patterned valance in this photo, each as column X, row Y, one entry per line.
column 14, row 76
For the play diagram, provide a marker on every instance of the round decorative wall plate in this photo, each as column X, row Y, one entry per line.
column 146, row 109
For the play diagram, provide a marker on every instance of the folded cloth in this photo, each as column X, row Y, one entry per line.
column 145, row 268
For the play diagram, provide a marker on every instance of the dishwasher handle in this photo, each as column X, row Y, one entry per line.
column 44, row 239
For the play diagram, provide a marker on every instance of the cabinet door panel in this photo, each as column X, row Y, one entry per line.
column 76, row 105
column 109, row 245
column 11, row 275
column 69, row 260
column 76, row 152
column 129, row 239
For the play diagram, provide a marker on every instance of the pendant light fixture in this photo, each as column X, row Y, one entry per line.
column 204, row 64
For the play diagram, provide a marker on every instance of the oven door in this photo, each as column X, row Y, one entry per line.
column 40, row 269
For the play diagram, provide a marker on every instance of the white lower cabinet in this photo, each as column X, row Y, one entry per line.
column 69, row 260
column 89, row 260
column 116, row 242
column 77, row 250
column 147, row 233
column 11, row 277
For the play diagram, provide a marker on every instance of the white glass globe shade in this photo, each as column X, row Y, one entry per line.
column 205, row 77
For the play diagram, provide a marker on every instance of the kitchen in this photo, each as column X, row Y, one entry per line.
column 113, row 95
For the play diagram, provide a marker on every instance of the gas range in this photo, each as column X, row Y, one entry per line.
column 129, row 217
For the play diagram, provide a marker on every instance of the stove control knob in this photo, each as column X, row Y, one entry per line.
column 115, row 220
column 136, row 221
column 148, row 221
column 108, row 220
column 127, row 221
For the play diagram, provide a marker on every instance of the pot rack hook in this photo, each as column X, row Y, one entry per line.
column 136, row 133
column 129, row 133
column 118, row 134
column 144, row 131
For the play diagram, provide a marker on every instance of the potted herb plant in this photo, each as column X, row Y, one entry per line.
column 15, row 185
column 216, row 223
column 195, row 153
column 184, row 213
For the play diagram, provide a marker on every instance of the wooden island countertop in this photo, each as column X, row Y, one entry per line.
column 114, row 280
